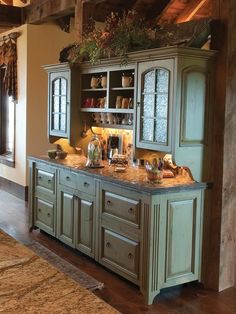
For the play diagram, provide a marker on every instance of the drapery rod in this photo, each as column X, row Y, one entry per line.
column 12, row 36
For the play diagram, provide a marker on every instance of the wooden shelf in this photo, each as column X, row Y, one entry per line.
column 113, row 126
column 122, row 88
column 113, row 110
column 94, row 89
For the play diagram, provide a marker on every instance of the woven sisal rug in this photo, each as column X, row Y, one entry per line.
column 79, row 276
column 29, row 284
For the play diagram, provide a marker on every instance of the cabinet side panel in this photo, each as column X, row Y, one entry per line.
column 145, row 247
column 155, row 246
column 193, row 107
column 31, row 194
column 180, row 238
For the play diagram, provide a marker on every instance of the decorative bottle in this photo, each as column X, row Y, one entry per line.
column 94, row 152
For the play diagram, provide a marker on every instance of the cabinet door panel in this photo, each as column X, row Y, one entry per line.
column 58, row 101
column 120, row 253
column 65, row 221
column 193, row 105
column 44, row 215
column 68, row 178
column 45, row 179
column 122, row 207
column 183, row 239
column 84, row 226
column 155, row 104
column 180, row 236
column 86, row 184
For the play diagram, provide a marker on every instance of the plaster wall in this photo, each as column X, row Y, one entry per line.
column 44, row 44
column 36, row 46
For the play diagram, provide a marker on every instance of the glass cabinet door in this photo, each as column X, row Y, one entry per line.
column 155, row 98
column 58, row 104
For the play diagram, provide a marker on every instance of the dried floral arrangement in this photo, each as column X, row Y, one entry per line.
column 119, row 36
column 130, row 32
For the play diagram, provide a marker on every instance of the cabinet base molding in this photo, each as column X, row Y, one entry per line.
column 14, row 188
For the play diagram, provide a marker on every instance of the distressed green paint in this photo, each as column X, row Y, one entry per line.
column 152, row 240
column 85, row 224
column 65, row 215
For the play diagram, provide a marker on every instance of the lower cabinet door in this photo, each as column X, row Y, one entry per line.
column 67, row 204
column 44, row 215
column 120, row 254
column 183, row 238
column 84, row 221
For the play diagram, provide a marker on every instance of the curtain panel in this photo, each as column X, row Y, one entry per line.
column 8, row 58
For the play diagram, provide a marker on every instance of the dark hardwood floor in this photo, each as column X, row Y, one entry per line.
column 124, row 296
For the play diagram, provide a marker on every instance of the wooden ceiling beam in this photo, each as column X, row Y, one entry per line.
column 8, row 2
column 10, row 16
column 98, row 10
column 161, row 19
column 190, row 10
column 83, row 11
column 150, row 8
column 42, row 11
column 146, row 8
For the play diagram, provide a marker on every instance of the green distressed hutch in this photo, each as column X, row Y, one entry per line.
column 151, row 237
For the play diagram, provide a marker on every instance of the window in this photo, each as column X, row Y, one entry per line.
column 7, row 125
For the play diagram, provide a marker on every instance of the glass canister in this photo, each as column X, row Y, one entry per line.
column 154, row 170
column 94, row 152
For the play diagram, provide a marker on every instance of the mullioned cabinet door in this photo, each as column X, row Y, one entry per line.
column 154, row 104
column 59, row 87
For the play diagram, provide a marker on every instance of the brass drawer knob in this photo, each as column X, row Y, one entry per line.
column 130, row 210
column 108, row 244
column 130, row 256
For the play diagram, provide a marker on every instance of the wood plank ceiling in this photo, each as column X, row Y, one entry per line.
column 156, row 11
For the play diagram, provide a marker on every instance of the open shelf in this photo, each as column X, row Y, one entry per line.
column 114, row 110
column 113, row 126
column 122, row 88
column 94, row 89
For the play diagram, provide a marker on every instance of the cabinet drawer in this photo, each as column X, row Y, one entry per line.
column 45, row 179
column 122, row 207
column 68, row 178
column 120, row 253
column 86, row 184
column 44, row 215
column 77, row 181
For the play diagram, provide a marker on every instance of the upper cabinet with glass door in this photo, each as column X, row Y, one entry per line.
column 155, row 94
column 59, row 100
column 62, row 102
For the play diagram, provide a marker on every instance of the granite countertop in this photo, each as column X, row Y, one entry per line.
column 134, row 177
